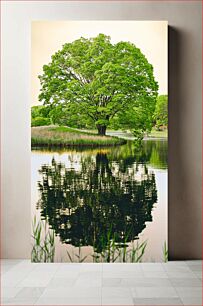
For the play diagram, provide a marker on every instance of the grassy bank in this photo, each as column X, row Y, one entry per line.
column 129, row 135
column 64, row 136
column 158, row 134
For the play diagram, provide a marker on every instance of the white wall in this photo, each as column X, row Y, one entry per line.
column 184, row 109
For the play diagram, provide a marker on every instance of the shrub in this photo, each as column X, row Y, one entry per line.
column 40, row 121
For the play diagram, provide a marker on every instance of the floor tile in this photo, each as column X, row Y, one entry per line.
column 116, row 292
column 16, row 274
column 157, row 301
column 169, row 283
column 61, row 282
column 73, row 292
column 155, row 292
column 4, row 301
column 67, row 272
column 6, row 268
column 123, row 274
column 21, row 301
column 69, row 301
column 146, row 282
column 91, row 267
column 189, row 291
column 155, row 274
column 136, row 267
column 192, row 301
column 90, row 274
column 35, row 281
column 32, row 292
column 39, row 276
column 11, row 261
column 196, row 268
column 97, row 282
column 193, row 262
column 112, row 282
column 117, row 301
column 178, row 274
column 175, row 263
column 176, row 268
column 45, row 267
column 152, row 267
column 198, row 274
column 185, row 282
column 9, row 292
column 89, row 279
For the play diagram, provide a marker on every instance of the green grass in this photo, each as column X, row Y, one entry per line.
column 64, row 129
column 154, row 133
column 64, row 136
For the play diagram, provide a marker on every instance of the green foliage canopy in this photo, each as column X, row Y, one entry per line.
column 100, row 81
column 161, row 111
column 40, row 116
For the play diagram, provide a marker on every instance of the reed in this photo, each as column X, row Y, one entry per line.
column 165, row 252
column 63, row 137
column 137, row 252
column 43, row 247
column 78, row 255
column 119, row 252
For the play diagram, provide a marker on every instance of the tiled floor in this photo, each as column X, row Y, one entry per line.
column 172, row 283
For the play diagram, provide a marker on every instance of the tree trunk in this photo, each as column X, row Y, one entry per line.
column 101, row 130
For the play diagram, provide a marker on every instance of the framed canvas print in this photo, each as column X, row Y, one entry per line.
column 99, row 121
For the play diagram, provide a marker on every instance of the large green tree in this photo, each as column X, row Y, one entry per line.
column 40, row 116
column 161, row 112
column 102, row 81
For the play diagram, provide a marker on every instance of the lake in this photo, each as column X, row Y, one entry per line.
column 103, row 204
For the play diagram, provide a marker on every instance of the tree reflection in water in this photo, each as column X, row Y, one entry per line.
column 102, row 197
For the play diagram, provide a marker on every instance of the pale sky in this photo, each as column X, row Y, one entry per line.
column 151, row 37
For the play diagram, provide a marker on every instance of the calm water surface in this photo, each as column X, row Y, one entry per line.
column 89, row 196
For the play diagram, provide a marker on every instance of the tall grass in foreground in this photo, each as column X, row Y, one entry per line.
column 121, row 252
column 43, row 248
column 113, row 253
column 165, row 252
column 78, row 255
column 138, row 251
